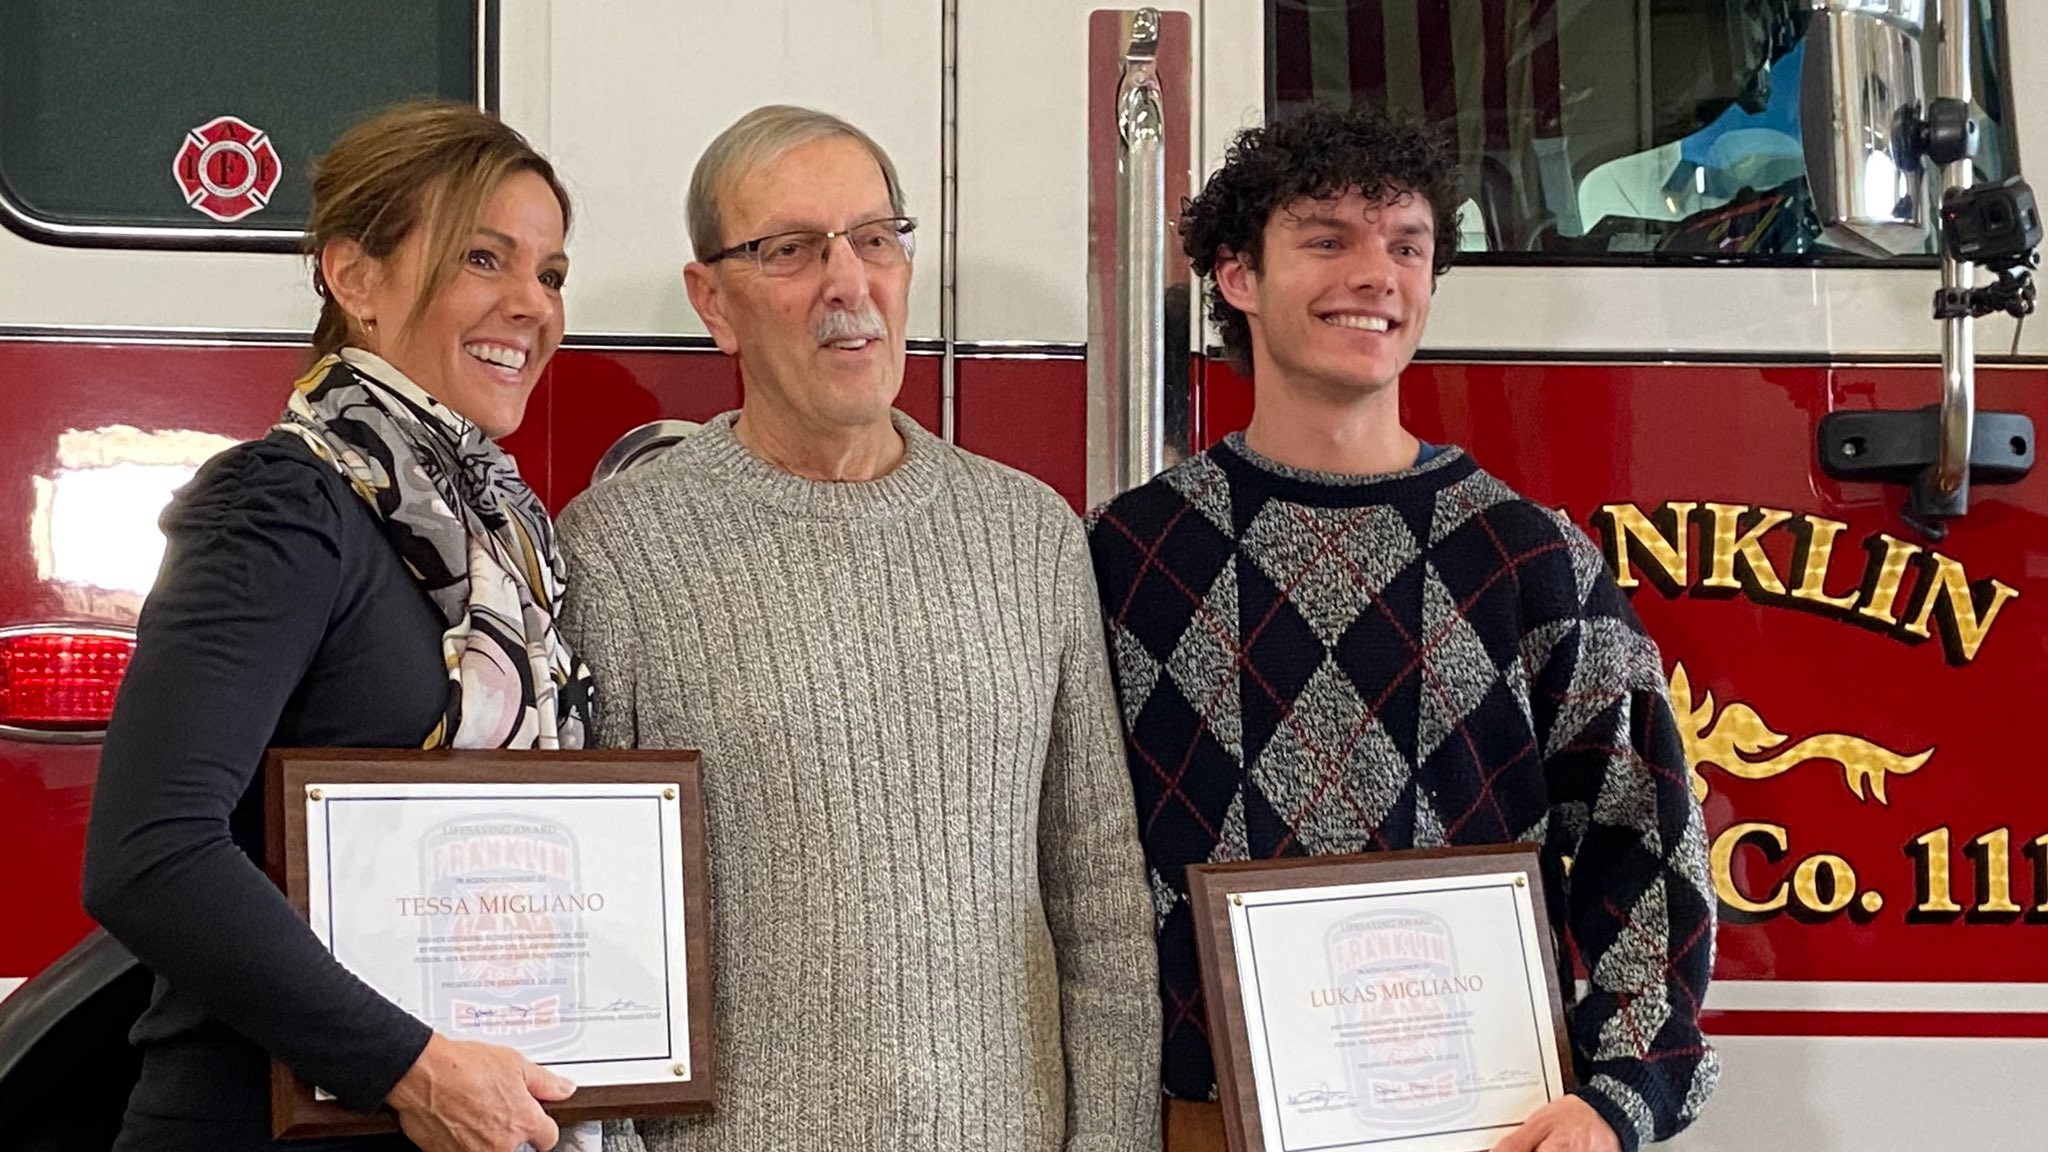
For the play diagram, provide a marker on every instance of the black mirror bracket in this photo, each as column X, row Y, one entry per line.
column 1901, row 447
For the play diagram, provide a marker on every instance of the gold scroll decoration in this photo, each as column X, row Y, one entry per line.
column 1729, row 738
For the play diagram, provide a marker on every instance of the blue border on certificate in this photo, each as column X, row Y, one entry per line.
column 668, row 1007
column 1258, row 990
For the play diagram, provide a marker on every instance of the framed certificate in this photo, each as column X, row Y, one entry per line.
column 1390, row 1002
column 552, row 902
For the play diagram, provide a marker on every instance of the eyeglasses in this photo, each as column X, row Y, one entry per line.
column 885, row 243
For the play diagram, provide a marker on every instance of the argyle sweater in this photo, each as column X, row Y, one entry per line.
column 1315, row 664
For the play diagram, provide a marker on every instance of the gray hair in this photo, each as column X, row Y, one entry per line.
column 761, row 137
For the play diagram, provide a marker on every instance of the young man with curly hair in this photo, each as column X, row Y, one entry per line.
column 1331, row 637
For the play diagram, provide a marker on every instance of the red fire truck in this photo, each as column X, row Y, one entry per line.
column 1692, row 309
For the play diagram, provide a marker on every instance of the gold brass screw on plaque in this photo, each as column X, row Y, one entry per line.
column 681, row 1070
column 670, row 794
column 1521, row 881
column 1236, row 899
column 313, row 793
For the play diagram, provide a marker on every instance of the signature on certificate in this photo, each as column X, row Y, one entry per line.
column 620, row 1005
column 1320, row 1096
column 488, row 1013
column 509, row 1018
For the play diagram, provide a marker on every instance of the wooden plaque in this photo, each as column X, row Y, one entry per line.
column 1216, row 890
column 669, row 781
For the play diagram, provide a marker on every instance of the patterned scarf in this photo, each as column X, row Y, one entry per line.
column 474, row 536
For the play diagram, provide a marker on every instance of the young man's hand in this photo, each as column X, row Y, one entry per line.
column 1566, row 1124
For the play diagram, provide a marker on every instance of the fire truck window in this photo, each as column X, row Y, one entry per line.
column 1605, row 131
column 1471, row 228
column 132, row 113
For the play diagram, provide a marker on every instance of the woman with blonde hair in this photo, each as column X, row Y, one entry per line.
column 373, row 573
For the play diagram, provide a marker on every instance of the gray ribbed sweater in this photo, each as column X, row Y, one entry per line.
column 931, row 926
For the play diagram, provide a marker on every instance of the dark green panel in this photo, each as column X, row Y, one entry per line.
column 97, row 95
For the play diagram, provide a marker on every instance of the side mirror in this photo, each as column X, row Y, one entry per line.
column 1861, row 96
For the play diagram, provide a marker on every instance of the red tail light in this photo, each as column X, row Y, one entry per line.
column 60, row 680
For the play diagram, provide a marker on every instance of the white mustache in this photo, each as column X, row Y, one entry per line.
column 841, row 324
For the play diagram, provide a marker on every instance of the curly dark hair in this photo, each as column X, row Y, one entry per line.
column 1319, row 152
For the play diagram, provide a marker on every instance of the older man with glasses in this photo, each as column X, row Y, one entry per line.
column 930, row 921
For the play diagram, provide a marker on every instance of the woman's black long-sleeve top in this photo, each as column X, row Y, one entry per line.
column 281, row 617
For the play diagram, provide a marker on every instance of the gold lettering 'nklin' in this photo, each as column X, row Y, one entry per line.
column 1902, row 590
column 1729, row 737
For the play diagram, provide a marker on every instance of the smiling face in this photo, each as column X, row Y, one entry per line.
column 1341, row 294
column 479, row 346
column 822, row 349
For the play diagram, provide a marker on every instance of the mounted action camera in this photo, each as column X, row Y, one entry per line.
column 1996, row 227
column 1992, row 225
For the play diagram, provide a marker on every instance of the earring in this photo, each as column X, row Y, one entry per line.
column 370, row 325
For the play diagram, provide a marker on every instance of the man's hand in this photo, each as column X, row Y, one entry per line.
column 466, row 1097
column 1566, row 1124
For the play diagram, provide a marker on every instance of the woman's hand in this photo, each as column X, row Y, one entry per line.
column 461, row 1096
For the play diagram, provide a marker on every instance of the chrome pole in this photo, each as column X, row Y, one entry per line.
column 1141, row 255
column 949, row 220
column 1958, row 334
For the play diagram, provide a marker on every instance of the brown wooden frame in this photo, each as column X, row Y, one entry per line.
column 295, row 1112
column 1210, row 887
